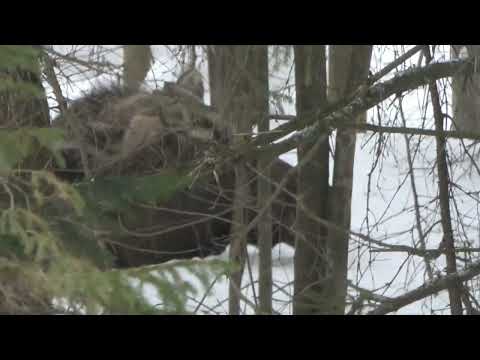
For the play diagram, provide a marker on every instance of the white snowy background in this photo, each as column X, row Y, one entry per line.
column 384, row 183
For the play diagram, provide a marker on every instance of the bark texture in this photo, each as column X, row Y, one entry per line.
column 466, row 92
column 310, row 259
column 348, row 69
column 136, row 61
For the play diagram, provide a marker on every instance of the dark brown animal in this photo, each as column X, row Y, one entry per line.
column 195, row 222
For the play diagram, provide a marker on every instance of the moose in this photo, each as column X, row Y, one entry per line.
column 145, row 131
column 196, row 222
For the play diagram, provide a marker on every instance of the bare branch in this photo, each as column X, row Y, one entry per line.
column 426, row 290
column 345, row 117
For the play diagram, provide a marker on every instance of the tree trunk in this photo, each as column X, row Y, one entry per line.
column 234, row 89
column 310, row 262
column 261, row 96
column 136, row 61
column 348, row 68
column 466, row 92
